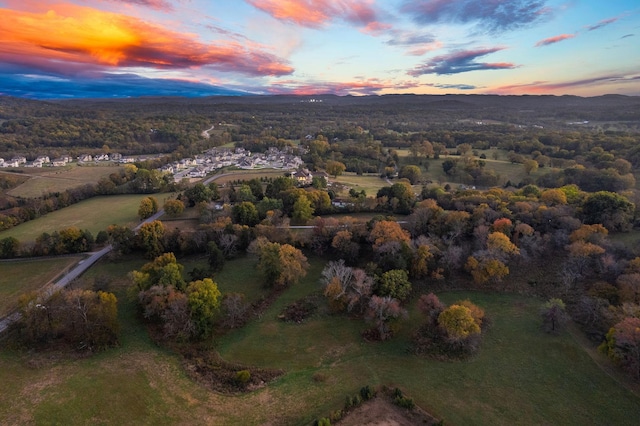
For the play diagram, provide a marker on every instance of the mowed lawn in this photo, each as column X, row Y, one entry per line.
column 45, row 180
column 94, row 214
column 233, row 175
column 22, row 276
column 521, row 375
column 370, row 183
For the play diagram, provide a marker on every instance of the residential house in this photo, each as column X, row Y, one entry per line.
column 59, row 162
column 303, row 176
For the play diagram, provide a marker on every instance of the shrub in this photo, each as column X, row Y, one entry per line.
column 366, row 393
column 243, row 377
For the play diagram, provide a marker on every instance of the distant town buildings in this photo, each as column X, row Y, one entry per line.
column 198, row 167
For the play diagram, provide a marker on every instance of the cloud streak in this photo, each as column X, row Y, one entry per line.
column 371, row 86
column 554, row 39
column 545, row 87
column 493, row 15
column 162, row 5
column 459, row 62
column 602, row 23
column 71, row 34
column 318, row 13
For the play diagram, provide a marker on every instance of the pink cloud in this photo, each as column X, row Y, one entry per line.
column 163, row 5
column 359, row 87
column 318, row 13
column 554, row 39
column 545, row 87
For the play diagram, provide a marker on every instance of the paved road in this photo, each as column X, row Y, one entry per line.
column 80, row 268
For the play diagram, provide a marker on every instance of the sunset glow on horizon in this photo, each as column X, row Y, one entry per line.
column 124, row 48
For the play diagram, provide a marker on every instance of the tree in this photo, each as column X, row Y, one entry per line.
column 279, row 184
column 499, row 244
column 622, row 345
column 148, row 207
column 9, row 248
column 302, row 210
column 411, row 173
column 281, row 265
column 399, row 196
column 344, row 245
column 553, row 315
column 121, row 238
column 245, row 213
column 395, row 283
column 234, row 308
column 381, row 311
column 89, row 318
column 163, row 271
column 216, row 257
column 345, row 287
column 203, row 298
column 612, row 210
column 335, row 168
column 458, row 322
column 385, row 231
column 431, row 307
column 486, row 269
column 199, row 193
column 150, row 238
column 530, row 166
column 174, row 208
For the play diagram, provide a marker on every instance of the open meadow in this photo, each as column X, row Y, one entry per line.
column 57, row 179
column 94, row 214
column 369, row 183
column 22, row 276
column 520, row 376
column 233, row 175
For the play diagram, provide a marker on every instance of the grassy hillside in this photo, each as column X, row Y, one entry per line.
column 22, row 276
column 521, row 375
column 94, row 214
column 45, row 180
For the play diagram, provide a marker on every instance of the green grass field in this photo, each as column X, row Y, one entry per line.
column 232, row 175
column 45, row 180
column 370, row 183
column 521, row 375
column 22, row 276
column 94, row 214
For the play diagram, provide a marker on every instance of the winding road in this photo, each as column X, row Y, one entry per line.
column 80, row 268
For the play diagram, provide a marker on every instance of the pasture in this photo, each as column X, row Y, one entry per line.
column 369, row 183
column 521, row 375
column 57, row 179
column 23, row 276
column 94, row 214
column 233, row 175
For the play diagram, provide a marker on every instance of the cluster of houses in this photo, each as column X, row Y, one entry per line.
column 45, row 161
column 198, row 167
column 217, row 158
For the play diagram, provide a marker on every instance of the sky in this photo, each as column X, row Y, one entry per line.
column 128, row 48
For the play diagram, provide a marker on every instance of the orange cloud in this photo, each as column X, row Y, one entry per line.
column 316, row 13
column 76, row 34
column 554, row 39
